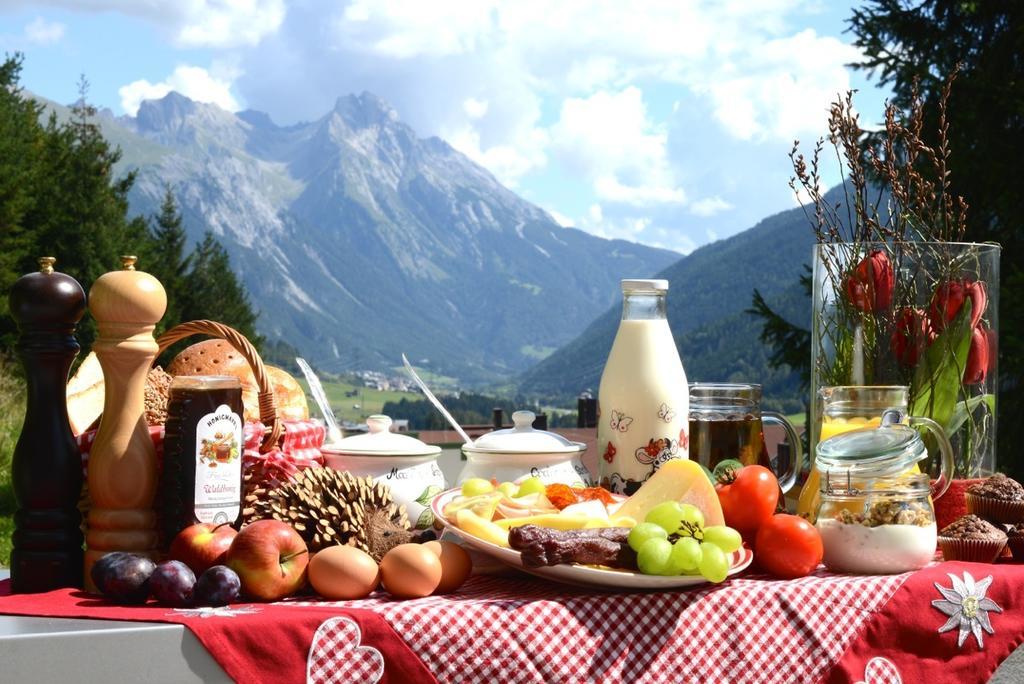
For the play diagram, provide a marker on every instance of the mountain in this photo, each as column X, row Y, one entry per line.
column 359, row 240
column 710, row 289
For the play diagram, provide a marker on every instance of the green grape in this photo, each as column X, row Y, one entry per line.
column 668, row 515
column 475, row 486
column 652, row 558
column 713, row 563
column 509, row 489
column 644, row 531
column 531, row 485
column 686, row 553
column 723, row 537
column 692, row 515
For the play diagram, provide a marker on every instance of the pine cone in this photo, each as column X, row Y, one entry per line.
column 328, row 507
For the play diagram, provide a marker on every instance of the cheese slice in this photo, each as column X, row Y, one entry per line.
column 676, row 480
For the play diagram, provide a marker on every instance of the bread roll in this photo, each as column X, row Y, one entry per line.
column 218, row 357
column 85, row 394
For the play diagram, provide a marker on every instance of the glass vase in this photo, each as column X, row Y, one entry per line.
column 919, row 314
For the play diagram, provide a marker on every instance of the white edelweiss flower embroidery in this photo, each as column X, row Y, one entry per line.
column 967, row 607
column 215, row 611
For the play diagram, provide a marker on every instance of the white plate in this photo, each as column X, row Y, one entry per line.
column 580, row 575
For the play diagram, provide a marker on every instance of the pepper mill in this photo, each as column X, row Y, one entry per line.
column 46, row 468
column 127, row 305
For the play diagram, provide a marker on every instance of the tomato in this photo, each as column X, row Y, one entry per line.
column 749, row 500
column 788, row 546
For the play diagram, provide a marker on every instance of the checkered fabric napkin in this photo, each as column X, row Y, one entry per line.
column 753, row 629
column 337, row 656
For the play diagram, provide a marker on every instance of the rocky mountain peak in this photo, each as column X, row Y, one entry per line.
column 365, row 110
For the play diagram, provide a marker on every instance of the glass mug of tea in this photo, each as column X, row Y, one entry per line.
column 726, row 422
column 852, row 407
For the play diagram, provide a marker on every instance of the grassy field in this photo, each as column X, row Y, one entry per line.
column 12, row 411
column 356, row 409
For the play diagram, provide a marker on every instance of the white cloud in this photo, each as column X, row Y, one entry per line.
column 781, row 88
column 709, row 206
column 42, row 32
column 194, row 23
column 609, row 138
column 194, row 82
column 474, row 108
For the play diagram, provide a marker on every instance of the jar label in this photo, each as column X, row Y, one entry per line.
column 218, row 497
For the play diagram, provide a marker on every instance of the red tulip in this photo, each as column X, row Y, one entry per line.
column 977, row 358
column 950, row 296
column 911, row 336
column 869, row 286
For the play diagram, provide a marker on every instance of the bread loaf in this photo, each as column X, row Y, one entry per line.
column 218, row 357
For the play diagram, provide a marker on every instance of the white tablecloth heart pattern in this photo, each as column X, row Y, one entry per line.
column 336, row 655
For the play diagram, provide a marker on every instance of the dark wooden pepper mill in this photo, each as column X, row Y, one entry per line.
column 47, row 467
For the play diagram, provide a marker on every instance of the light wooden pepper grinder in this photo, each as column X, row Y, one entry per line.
column 122, row 472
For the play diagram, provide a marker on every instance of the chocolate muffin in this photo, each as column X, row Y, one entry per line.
column 969, row 538
column 1015, row 541
column 998, row 499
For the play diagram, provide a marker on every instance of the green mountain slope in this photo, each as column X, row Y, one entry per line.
column 710, row 289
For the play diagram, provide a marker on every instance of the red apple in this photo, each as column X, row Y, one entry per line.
column 270, row 559
column 203, row 545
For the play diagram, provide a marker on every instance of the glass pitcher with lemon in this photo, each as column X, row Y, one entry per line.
column 852, row 407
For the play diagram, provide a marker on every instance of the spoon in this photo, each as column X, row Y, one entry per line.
column 320, row 397
column 436, row 402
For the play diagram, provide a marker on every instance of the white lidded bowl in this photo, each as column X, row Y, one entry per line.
column 404, row 464
column 515, row 453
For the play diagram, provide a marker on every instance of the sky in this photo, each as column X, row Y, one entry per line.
column 666, row 122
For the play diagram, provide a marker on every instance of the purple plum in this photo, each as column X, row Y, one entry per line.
column 125, row 577
column 172, row 584
column 218, row 586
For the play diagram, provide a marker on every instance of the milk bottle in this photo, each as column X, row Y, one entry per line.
column 643, row 402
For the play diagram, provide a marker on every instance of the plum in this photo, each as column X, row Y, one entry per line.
column 218, row 586
column 124, row 578
column 102, row 569
column 172, row 584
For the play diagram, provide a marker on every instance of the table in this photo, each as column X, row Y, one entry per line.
column 50, row 649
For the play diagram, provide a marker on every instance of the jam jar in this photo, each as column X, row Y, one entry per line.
column 875, row 514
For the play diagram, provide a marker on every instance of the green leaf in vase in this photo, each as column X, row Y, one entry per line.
column 427, row 495
column 966, row 407
column 938, row 377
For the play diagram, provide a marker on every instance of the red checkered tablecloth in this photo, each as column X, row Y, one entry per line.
column 523, row 630
column 949, row 622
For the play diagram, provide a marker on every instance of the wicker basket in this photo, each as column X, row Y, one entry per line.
column 267, row 401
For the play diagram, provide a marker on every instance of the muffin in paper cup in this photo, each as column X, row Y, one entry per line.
column 998, row 499
column 1015, row 542
column 995, row 510
column 969, row 538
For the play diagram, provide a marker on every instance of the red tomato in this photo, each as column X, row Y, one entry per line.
column 788, row 546
column 749, row 500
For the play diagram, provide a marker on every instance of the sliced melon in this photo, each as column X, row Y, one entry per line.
column 482, row 528
column 676, row 480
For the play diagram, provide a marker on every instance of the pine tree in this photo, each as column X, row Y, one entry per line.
column 214, row 291
column 170, row 264
column 20, row 136
column 922, row 42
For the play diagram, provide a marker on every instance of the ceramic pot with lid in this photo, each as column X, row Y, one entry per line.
column 404, row 464
column 515, row 453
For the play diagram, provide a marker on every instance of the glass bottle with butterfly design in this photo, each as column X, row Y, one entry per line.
column 643, row 401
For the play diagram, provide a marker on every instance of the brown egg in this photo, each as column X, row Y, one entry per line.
column 455, row 565
column 343, row 573
column 410, row 571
